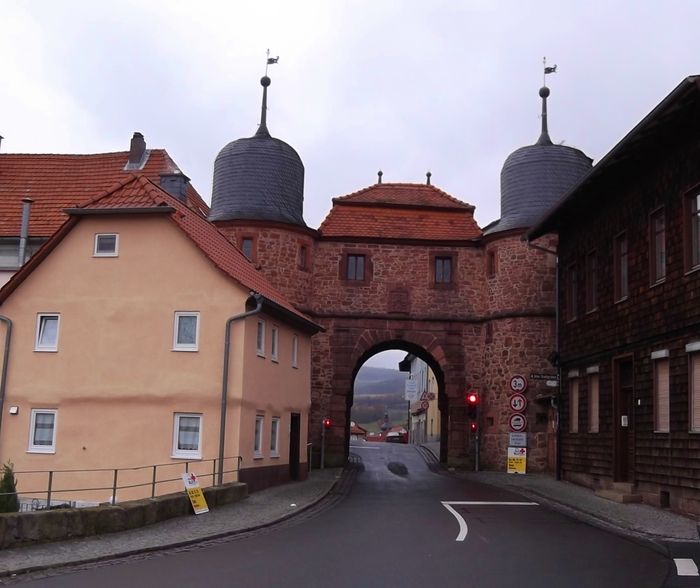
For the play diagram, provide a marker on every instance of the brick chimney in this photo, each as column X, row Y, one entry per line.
column 175, row 183
column 137, row 152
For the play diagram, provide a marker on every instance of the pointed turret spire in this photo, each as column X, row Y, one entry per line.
column 544, row 135
column 262, row 129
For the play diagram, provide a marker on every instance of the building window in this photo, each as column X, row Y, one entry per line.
column 42, row 433
column 303, row 257
column 186, row 331
column 247, row 247
column 573, row 406
column 571, row 292
column 443, row 269
column 274, row 344
column 657, row 246
column 257, row 443
column 187, row 435
column 355, row 267
column 491, row 264
column 106, row 245
column 591, row 281
column 593, row 403
column 295, row 351
column 621, row 267
column 693, row 231
column 261, row 339
column 662, row 415
column 275, row 437
column 47, row 332
column 694, row 389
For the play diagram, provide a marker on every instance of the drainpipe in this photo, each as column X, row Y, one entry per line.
column 224, row 385
column 24, row 231
column 5, row 359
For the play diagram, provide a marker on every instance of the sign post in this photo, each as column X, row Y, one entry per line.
column 196, row 496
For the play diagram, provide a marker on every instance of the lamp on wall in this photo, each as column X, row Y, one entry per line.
column 14, row 410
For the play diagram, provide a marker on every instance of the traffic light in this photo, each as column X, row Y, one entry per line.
column 472, row 405
column 327, row 423
column 473, row 426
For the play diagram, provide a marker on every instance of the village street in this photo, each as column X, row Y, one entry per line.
column 402, row 524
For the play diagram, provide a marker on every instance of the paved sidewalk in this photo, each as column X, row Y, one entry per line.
column 638, row 520
column 260, row 509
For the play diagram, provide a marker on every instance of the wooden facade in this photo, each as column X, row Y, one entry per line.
column 629, row 326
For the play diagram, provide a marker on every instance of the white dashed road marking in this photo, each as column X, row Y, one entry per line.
column 463, row 528
column 686, row 567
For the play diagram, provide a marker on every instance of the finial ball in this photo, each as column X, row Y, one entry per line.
column 265, row 81
column 544, row 92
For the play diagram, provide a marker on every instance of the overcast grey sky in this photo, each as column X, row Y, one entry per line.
column 406, row 87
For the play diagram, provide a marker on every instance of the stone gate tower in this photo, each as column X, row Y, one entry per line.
column 406, row 266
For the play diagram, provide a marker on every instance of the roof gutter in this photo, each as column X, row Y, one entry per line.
column 224, row 384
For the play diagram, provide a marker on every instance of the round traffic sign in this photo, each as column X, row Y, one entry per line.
column 517, row 402
column 518, row 384
column 424, row 404
column 517, row 422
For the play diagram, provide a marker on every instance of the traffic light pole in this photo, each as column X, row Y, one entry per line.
column 476, row 444
column 323, row 445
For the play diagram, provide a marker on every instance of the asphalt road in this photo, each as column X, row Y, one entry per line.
column 402, row 525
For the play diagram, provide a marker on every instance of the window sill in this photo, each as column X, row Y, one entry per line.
column 258, row 457
column 52, row 450
column 444, row 286
column 185, row 349
column 621, row 300
column 275, row 360
column 187, row 457
column 593, row 310
column 692, row 270
column 105, row 255
column 275, row 456
column 658, row 282
column 39, row 350
column 260, row 355
column 663, row 432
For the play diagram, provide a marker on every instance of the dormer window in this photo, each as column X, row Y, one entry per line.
column 106, row 245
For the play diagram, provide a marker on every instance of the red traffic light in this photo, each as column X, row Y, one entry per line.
column 327, row 423
column 473, row 427
column 472, row 398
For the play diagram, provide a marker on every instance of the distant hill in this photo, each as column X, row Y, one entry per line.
column 377, row 391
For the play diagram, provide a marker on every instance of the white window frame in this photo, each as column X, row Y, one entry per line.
column 38, row 346
column 693, row 387
column 274, row 343
column 186, row 453
column 258, row 436
column 115, row 253
column 295, row 351
column 260, row 339
column 32, row 448
column 176, row 322
column 275, row 437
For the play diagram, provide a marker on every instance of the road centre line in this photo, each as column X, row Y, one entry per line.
column 463, row 528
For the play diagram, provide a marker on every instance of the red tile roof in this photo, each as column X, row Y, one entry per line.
column 401, row 211
column 404, row 195
column 137, row 191
column 56, row 182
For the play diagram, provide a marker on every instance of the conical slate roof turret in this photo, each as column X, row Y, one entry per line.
column 258, row 178
column 535, row 177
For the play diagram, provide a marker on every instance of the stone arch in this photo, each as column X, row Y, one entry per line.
column 443, row 354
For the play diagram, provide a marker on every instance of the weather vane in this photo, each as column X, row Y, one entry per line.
column 271, row 60
column 547, row 70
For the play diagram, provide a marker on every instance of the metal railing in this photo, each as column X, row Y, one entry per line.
column 205, row 469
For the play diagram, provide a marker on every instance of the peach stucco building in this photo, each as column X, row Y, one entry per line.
column 140, row 335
